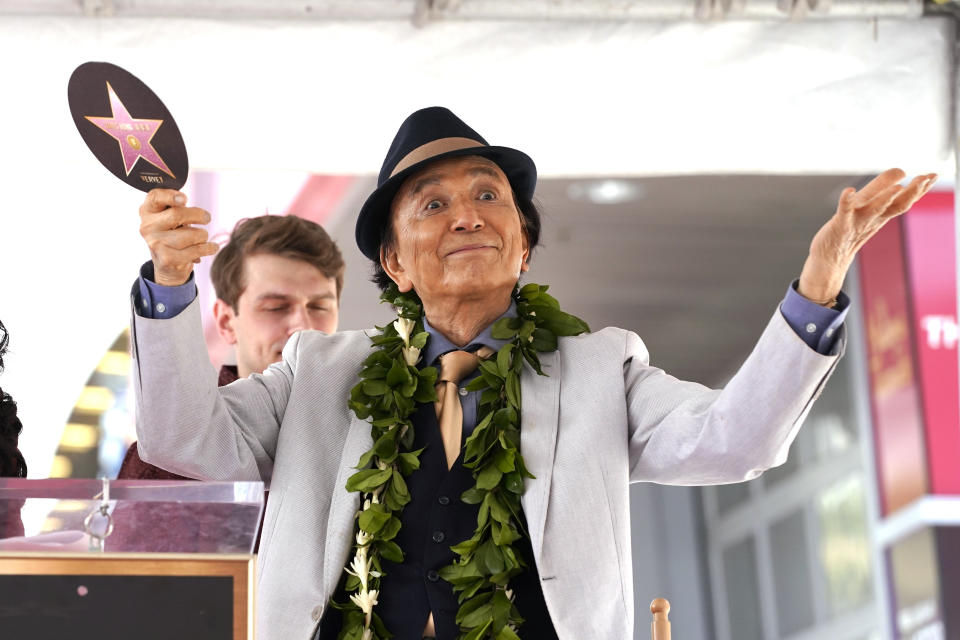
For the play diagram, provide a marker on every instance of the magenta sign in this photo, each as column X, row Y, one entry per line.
column 930, row 243
column 899, row 439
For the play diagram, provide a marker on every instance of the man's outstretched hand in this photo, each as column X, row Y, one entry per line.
column 175, row 245
column 860, row 215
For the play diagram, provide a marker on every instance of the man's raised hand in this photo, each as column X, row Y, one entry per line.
column 175, row 245
column 860, row 215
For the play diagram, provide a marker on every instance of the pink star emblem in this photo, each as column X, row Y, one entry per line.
column 132, row 134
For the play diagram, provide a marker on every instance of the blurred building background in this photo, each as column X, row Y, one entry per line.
column 688, row 153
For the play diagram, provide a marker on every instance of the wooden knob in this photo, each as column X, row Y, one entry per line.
column 660, row 626
column 660, row 606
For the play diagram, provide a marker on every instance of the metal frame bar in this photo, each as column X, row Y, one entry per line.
column 425, row 10
column 928, row 511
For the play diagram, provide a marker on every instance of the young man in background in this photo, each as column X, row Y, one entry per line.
column 275, row 276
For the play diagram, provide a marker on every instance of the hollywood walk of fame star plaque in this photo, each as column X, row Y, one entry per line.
column 126, row 127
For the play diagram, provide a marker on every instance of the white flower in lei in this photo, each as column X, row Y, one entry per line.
column 404, row 326
column 365, row 600
column 411, row 355
column 387, row 395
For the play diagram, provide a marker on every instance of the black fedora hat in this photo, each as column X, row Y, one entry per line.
column 426, row 136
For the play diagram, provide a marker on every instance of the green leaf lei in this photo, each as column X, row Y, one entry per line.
column 389, row 389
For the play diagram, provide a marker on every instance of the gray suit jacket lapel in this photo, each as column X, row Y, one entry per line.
column 344, row 505
column 538, row 441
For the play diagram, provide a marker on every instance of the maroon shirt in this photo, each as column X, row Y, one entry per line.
column 11, row 525
column 133, row 468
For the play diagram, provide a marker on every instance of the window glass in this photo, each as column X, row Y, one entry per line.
column 791, row 574
column 831, row 435
column 743, row 596
column 844, row 546
column 730, row 495
column 916, row 586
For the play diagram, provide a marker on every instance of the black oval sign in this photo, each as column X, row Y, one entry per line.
column 127, row 127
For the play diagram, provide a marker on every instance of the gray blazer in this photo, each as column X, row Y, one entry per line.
column 602, row 419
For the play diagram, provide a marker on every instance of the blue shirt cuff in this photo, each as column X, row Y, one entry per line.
column 158, row 302
column 816, row 325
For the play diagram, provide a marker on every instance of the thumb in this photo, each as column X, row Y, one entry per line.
column 846, row 199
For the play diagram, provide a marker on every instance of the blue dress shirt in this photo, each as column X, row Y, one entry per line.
column 438, row 344
column 159, row 302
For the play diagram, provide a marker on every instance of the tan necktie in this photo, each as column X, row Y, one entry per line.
column 454, row 367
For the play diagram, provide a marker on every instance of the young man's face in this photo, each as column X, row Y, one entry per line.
column 282, row 295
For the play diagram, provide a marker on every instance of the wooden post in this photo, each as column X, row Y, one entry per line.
column 660, row 627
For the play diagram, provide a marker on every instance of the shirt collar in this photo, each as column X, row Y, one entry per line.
column 438, row 344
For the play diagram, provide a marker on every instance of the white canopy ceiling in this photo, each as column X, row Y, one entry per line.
column 633, row 98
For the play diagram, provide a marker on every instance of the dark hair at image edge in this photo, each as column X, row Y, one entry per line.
column 530, row 215
column 12, row 463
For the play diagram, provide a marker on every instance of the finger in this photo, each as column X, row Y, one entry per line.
column 881, row 201
column 173, row 218
column 845, row 202
column 159, row 199
column 175, row 257
column 182, row 216
column 181, row 238
column 918, row 188
column 878, row 184
column 203, row 250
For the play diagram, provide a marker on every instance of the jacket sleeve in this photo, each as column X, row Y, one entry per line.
column 188, row 425
column 684, row 433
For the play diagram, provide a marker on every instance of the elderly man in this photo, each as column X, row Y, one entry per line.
column 494, row 504
column 275, row 276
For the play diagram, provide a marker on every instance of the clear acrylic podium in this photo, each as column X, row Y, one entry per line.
column 142, row 560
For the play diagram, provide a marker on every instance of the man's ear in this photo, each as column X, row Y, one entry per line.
column 224, row 316
column 391, row 264
column 525, row 260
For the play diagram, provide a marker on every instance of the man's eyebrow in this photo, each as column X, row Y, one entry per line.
column 484, row 171
column 436, row 178
column 285, row 297
column 419, row 185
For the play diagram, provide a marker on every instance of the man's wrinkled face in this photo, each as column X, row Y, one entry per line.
column 282, row 295
column 457, row 231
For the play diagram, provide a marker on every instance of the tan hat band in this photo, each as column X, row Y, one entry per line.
column 434, row 148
